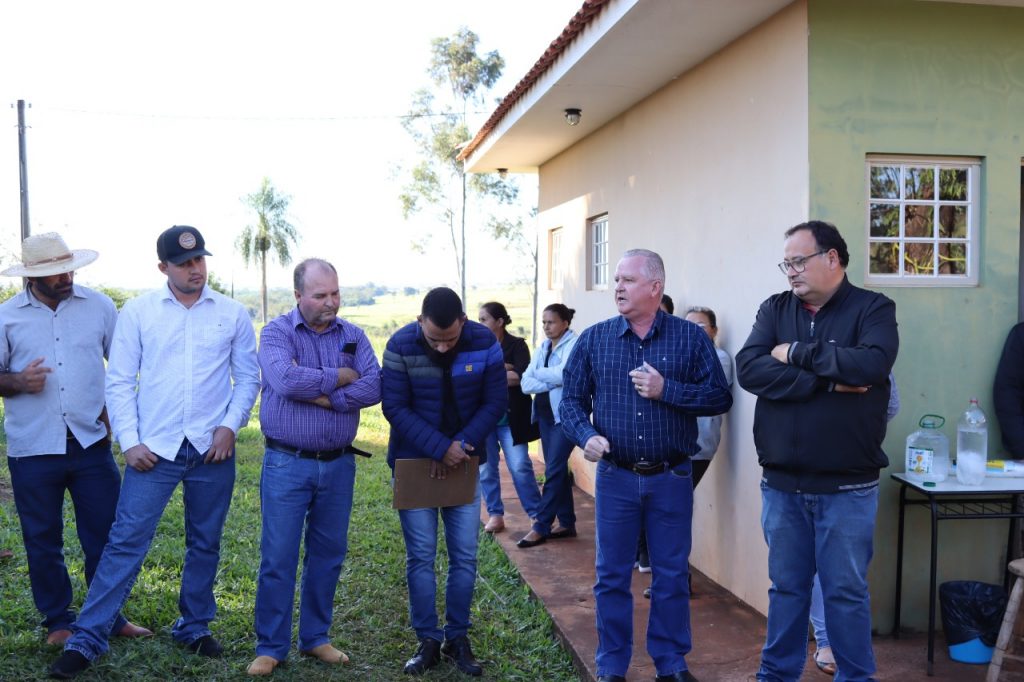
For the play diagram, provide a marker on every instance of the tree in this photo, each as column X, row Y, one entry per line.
column 437, row 124
column 526, row 243
column 271, row 231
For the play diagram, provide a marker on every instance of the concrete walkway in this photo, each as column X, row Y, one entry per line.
column 727, row 633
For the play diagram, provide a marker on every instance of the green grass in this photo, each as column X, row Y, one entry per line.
column 512, row 634
column 397, row 309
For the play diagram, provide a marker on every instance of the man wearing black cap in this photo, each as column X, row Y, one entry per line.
column 181, row 381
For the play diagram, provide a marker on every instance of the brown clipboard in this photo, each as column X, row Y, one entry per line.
column 415, row 489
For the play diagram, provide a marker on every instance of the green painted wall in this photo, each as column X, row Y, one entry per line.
column 903, row 77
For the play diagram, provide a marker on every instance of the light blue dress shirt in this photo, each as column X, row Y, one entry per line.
column 171, row 371
column 73, row 340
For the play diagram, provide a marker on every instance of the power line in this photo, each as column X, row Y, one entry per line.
column 265, row 119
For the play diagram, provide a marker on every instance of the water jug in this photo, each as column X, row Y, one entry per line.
column 928, row 451
column 971, row 445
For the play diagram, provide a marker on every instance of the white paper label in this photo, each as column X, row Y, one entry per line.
column 919, row 460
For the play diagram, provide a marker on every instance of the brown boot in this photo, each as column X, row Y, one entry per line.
column 132, row 631
column 495, row 524
column 327, row 654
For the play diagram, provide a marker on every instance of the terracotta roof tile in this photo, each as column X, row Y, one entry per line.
column 582, row 18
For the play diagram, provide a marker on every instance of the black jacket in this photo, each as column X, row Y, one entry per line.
column 809, row 437
column 1008, row 392
column 520, row 405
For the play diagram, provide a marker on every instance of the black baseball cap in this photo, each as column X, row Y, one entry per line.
column 179, row 244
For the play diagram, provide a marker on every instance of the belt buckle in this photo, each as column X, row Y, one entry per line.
column 645, row 467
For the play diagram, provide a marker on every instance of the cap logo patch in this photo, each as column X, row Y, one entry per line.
column 187, row 240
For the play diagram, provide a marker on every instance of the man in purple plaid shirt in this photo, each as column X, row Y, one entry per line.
column 318, row 372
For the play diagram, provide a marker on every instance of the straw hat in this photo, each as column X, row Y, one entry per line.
column 43, row 255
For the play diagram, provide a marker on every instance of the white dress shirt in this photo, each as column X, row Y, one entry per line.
column 73, row 340
column 171, row 369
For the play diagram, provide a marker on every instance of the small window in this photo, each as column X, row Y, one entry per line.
column 555, row 258
column 922, row 221
column 597, row 230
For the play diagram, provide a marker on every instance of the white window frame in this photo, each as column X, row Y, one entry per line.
column 971, row 241
column 555, row 257
column 597, row 252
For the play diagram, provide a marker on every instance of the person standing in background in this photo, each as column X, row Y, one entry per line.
column 515, row 429
column 544, row 379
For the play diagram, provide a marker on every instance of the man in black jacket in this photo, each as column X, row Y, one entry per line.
column 818, row 358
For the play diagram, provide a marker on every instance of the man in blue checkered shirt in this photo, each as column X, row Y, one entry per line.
column 644, row 376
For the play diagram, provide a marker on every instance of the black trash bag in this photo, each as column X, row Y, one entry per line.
column 971, row 609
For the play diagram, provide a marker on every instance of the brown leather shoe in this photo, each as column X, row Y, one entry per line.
column 58, row 637
column 262, row 665
column 495, row 524
column 326, row 653
column 131, row 631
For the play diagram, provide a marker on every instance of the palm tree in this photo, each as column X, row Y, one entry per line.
column 271, row 231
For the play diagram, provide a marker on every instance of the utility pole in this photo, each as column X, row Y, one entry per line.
column 23, row 170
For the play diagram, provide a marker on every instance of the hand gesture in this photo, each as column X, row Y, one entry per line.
column 32, row 379
column 648, row 382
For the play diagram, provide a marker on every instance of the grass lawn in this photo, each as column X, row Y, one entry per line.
column 512, row 634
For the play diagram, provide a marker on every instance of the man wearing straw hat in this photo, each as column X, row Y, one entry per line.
column 181, row 382
column 54, row 336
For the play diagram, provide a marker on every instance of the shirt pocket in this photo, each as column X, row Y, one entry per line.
column 216, row 334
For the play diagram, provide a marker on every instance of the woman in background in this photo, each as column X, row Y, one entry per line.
column 544, row 379
column 514, row 429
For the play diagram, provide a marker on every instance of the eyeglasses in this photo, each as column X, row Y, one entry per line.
column 798, row 264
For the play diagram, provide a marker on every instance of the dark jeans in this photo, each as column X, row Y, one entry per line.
column 700, row 467
column 39, row 482
column 556, row 498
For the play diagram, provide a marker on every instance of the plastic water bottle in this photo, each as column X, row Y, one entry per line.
column 928, row 451
column 971, row 445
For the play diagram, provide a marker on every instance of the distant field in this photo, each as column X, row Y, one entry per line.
column 392, row 311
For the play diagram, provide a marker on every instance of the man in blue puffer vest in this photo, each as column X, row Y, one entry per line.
column 443, row 391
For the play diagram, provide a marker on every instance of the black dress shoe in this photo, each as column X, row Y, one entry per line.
column 207, row 646
column 526, row 544
column 426, row 657
column 70, row 664
column 459, row 652
column 681, row 676
column 611, row 678
column 562, row 533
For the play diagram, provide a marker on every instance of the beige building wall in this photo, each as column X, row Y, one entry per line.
column 709, row 172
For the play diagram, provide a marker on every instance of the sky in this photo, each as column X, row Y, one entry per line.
column 146, row 115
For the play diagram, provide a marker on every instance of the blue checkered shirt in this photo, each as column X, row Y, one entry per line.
column 597, row 382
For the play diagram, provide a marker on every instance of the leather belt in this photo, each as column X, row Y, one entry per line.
column 320, row 455
column 645, row 468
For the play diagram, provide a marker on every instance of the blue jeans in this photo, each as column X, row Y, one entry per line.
column 556, row 498
column 664, row 504
column 517, row 459
column 144, row 495
column 419, row 526
column 295, row 493
column 818, row 615
column 39, row 482
column 833, row 535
